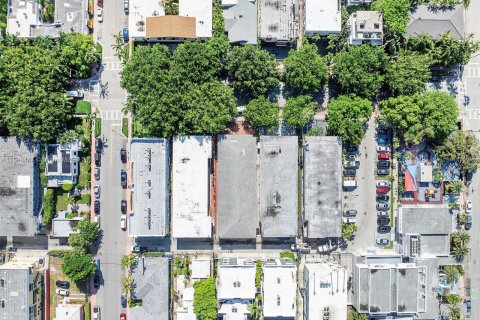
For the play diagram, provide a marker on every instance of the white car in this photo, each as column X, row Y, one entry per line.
column 96, row 191
column 468, row 206
column 100, row 14
column 96, row 313
column 62, row 292
column 383, row 149
column 383, row 184
column 349, row 220
column 123, row 221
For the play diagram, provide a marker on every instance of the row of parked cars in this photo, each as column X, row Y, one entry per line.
column 383, row 187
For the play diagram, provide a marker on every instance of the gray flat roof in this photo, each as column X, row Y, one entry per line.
column 277, row 20
column 19, row 187
column 151, row 175
column 437, row 245
column 241, row 21
column 322, row 192
column 151, row 278
column 16, row 293
column 279, row 185
column 425, row 220
column 237, row 186
column 435, row 21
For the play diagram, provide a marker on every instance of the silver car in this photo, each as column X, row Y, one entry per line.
column 383, row 206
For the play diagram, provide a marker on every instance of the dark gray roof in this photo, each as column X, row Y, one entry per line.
column 151, row 278
column 435, row 21
column 237, row 186
column 241, row 21
column 323, row 186
column 278, row 185
column 20, row 198
column 425, row 220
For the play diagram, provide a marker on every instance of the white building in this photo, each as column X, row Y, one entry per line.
column 366, row 27
column 279, row 289
column 191, row 166
column 322, row 17
column 69, row 312
column 326, row 291
column 62, row 162
column 358, row 2
column 235, row 287
column 200, row 268
column 201, row 10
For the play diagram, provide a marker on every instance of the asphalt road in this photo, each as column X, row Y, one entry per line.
column 110, row 101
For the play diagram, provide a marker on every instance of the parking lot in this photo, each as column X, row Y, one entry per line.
column 363, row 197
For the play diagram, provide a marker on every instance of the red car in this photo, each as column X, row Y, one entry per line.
column 123, row 316
column 382, row 190
column 384, row 156
column 100, row 3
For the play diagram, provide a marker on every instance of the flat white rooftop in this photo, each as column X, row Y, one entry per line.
column 202, row 11
column 200, row 268
column 137, row 17
column 322, row 17
column 24, row 14
column 191, row 187
column 236, row 280
column 279, row 289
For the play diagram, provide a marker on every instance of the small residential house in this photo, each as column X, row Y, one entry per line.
column 240, row 18
column 69, row 312
column 279, row 289
column 62, row 162
column 366, row 27
column 434, row 21
column 277, row 21
column 235, row 287
column 62, row 225
column 322, row 17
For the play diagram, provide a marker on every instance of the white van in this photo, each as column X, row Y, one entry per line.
column 350, row 183
column 123, row 222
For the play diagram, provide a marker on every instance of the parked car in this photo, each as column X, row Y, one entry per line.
column 383, row 229
column 96, row 207
column 97, row 264
column 123, row 178
column 468, row 224
column 96, row 192
column 123, row 155
column 383, row 156
column 382, row 242
column 382, row 131
column 350, row 172
column 125, row 6
column 123, row 316
column 97, row 159
column 349, row 184
column 383, row 164
column 382, row 189
column 96, row 281
column 349, row 220
column 349, row 213
column 100, row 14
column 350, row 157
column 75, row 94
column 97, row 173
column 351, row 148
column 138, row 249
column 100, row 3
column 382, row 198
column 383, row 149
column 62, row 284
column 381, row 214
column 301, row 248
column 468, row 302
column 123, row 299
column 123, row 222
column 125, row 34
column 98, row 145
column 382, row 140
column 468, row 206
column 351, row 164
column 62, row 292
column 383, row 206
column 383, row 172
column 383, row 221
column 123, row 206
column 96, row 219
column 96, row 313
column 383, row 184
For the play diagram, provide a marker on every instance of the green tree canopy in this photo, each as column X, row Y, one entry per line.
column 78, row 53
column 464, row 148
column 305, row 69
column 347, row 116
column 251, row 70
column 87, row 232
column 78, row 266
column 408, row 73
column 260, row 112
column 433, row 114
column 205, row 299
column 449, row 51
column 299, row 111
column 395, row 13
column 359, row 70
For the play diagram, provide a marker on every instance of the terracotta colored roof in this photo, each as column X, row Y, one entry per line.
column 171, row 27
column 409, row 183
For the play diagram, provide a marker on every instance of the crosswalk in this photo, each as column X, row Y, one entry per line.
column 471, row 72
column 471, row 114
column 94, row 91
column 111, row 115
column 112, row 66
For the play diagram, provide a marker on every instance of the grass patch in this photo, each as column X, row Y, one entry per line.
column 154, row 254
column 99, row 49
column 287, row 255
column 86, row 310
column 85, row 198
column 62, row 201
column 125, row 126
column 84, row 175
column 98, row 126
column 83, row 107
column 138, row 130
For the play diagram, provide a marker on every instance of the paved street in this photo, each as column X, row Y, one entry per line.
column 110, row 100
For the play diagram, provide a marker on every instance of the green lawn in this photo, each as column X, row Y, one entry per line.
column 287, row 255
column 125, row 126
column 138, row 130
column 62, row 201
column 84, row 175
column 98, row 126
column 83, row 107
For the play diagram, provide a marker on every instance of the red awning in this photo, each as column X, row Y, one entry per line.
column 409, row 184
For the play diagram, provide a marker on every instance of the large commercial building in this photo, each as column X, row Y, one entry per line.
column 191, row 170
column 322, row 187
column 150, row 172
column 237, row 187
column 278, row 186
column 20, row 190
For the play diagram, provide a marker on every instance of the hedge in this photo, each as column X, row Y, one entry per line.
column 48, row 206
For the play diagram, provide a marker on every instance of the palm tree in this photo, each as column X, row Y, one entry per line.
column 127, row 283
column 455, row 187
column 460, row 252
column 454, row 311
column 452, row 274
column 460, row 238
column 128, row 260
